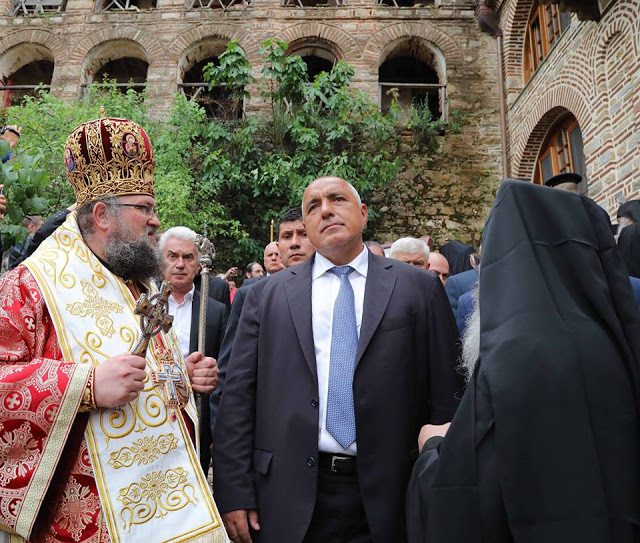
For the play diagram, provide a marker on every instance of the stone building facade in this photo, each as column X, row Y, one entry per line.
column 435, row 43
column 590, row 77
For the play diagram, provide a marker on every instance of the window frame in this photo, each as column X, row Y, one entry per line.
column 541, row 20
column 561, row 130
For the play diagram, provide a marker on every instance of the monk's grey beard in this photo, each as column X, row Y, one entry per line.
column 471, row 339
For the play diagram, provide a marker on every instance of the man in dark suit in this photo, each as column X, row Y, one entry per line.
column 458, row 284
column 294, row 248
column 181, row 267
column 336, row 364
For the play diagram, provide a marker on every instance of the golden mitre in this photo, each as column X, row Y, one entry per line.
column 109, row 157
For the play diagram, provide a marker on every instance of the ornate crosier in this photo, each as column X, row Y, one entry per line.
column 207, row 254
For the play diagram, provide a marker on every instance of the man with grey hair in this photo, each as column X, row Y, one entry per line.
column 180, row 254
column 412, row 251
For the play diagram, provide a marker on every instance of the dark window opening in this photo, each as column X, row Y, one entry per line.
column 126, row 72
column 405, row 3
column 38, row 72
column 316, row 65
column 313, row 3
column 217, row 102
column 410, row 81
column 127, row 5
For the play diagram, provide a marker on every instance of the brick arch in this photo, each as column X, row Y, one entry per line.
column 620, row 20
column 152, row 47
column 376, row 45
column 54, row 43
column 556, row 102
column 345, row 46
column 215, row 31
column 514, row 35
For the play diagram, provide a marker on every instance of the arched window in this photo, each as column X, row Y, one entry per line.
column 217, row 101
column 546, row 25
column 413, row 73
column 562, row 151
column 318, row 56
column 23, row 69
column 124, row 61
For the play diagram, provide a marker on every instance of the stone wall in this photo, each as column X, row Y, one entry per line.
column 593, row 72
column 447, row 195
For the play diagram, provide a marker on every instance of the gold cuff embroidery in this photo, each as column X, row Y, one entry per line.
column 88, row 400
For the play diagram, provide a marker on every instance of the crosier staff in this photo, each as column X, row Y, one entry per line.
column 207, row 254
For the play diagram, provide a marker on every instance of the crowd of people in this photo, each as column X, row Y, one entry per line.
column 346, row 391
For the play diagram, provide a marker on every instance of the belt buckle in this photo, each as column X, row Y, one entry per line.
column 333, row 463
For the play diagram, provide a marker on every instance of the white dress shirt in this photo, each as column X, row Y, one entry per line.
column 182, row 319
column 324, row 291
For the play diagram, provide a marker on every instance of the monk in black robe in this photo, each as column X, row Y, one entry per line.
column 544, row 447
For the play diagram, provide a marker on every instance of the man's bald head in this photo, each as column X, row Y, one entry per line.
column 334, row 217
column 272, row 260
column 439, row 265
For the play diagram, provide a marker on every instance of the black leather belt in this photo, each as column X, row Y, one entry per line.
column 337, row 463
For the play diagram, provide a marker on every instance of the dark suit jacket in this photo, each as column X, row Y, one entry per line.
column 218, row 290
column 457, row 285
column 465, row 308
column 266, row 437
column 635, row 285
column 225, row 353
column 216, row 322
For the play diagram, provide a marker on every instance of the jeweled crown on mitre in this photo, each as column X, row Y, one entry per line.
column 109, row 157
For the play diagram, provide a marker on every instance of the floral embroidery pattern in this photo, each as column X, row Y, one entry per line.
column 143, row 451
column 78, row 507
column 97, row 307
column 18, row 453
column 155, row 495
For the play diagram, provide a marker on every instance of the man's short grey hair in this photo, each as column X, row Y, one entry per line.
column 178, row 232
column 351, row 188
column 409, row 245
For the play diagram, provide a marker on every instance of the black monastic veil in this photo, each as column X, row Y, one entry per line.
column 544, row 446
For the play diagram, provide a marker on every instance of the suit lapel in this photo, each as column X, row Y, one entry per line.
column 380, row 283
column 298, row 291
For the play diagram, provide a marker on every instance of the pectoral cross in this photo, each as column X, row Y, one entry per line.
column 154, row 317
column 174, row 383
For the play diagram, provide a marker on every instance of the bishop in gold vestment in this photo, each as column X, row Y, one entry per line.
column 97, row 444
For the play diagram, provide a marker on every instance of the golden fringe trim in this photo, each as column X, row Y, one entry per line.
column 219, row 535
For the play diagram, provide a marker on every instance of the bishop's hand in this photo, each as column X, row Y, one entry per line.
column 118, row 380
column 203, row 372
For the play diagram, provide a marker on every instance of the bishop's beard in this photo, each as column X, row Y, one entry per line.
column 135, row 260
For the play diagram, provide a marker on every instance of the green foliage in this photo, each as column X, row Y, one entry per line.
column 231, row 177
column 258, row 168
column 24, row 182
column 457, row 120
column 233, row 72
column 425, row 128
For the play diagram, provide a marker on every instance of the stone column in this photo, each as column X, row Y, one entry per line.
column 162, row 85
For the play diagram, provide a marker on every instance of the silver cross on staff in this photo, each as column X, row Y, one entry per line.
column 154, row 316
